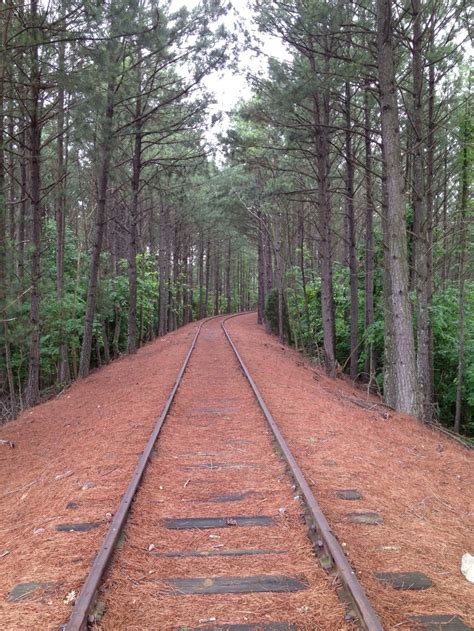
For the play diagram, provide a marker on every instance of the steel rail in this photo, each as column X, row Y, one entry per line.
column 79, row 615
column 367, row 616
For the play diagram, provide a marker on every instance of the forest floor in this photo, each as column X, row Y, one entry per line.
column 420, row 482
column 82, row 447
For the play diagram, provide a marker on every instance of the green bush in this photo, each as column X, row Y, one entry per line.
column 304, row 318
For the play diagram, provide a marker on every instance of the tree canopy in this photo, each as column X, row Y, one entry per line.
column 340, row 207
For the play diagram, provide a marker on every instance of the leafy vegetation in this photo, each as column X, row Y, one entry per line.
column 341, row 210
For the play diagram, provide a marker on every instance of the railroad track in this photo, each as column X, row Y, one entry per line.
column 216, row 533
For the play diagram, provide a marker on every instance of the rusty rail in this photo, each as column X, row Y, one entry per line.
column 79, row 615
column 367, row 617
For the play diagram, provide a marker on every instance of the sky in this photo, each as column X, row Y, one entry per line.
column 230, row 86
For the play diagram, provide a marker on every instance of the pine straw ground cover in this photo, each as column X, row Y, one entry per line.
column 80, row 447
column 420, row 481
column 215, row 443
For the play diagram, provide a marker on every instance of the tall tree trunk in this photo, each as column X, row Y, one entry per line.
column 325, row 250
column 461, row 352
column 370, row 366
column 10, row 106
column 201, row 277
column 420, row 224
column 100, row 219
column 320, row 120
column 228, row 288
column 268, row 257
column 190, row 284
column 4, row 18
column 9, row 370
column 260, row 269
column 389, row 373
column 216, row 281
column 466, row 177
column 132, row 242
column 143, row 334
column 303, row 272
column 3, row 200
column 351, row 237
column 445, row 239
column 430, row 159
column 175, row 285
column 279, row 280
column 32, row 394
column 116, row 337
column 208, row 278
column 64, row 375
column 163, row 267
column 406, row 392
column 23, row 204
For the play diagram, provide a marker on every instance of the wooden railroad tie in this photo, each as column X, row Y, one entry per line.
column 236, row 584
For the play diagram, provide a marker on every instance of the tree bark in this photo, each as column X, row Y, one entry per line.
column 201, row 278
column 370, row 367
column 320, row 114
column 32, row 393
column 163, row 267
column 132, row 243
column 279, row 279
column 430, row 184
column 445, row 239
column 228, row 288
column 4, row 17
column 3, row 204
column 303, row 273
column 174, row 285
column 420, row 224
column 9, row 371
column 325, row 249
column 216, row 281
column 116, row 337
column 351, row 238
column 466, row 177
column 268, row 258
column 208, row 278
column 406, row 393
column 189, row 316
column 260, row 269
column 100, row 219
column 64, row 375
column 389, row 374
column 23, row 204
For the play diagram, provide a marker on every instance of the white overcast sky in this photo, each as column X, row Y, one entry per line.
column 228, row 86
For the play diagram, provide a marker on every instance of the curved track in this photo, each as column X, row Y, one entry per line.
column 233, row 426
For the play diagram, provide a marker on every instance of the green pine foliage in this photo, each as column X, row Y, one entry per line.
column 445, row 322
column 306, row 330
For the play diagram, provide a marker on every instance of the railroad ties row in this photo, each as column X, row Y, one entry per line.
column 217, row 536
column 330, row 551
